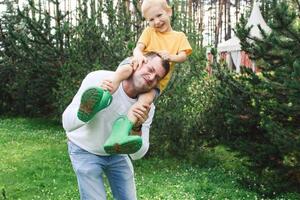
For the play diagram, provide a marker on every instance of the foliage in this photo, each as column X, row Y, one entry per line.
column 40, row 60
column 96, row 46
column 184, row 123
column 30, row 60
column 42, row 64
column 256, row 114
column 259, row 113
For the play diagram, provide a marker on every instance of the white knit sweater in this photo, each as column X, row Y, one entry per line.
column 91, row 136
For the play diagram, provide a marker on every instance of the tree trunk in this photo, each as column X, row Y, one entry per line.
column 228, row 20
column 225, row 17
column 32, row 8
column 201, row 22
column 127, row 4
column 93, row 8
column 78, row 11
column 219, row 23
column 237, row 10
column 212, row 22
column 99, row 8
column 190, row 15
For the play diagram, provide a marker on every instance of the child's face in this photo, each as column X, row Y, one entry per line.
column 158, row 18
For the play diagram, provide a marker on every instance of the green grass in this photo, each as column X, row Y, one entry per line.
column 34, row 164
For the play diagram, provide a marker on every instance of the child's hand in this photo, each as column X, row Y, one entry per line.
column 137, row 61
column 140, row 111
column 165, row 55
column 109, row 85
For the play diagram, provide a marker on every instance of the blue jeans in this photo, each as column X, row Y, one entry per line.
column 89, row 169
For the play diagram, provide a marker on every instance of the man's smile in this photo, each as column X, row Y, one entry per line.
column 148, row 82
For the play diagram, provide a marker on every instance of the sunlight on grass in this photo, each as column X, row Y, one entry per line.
column 34, row 164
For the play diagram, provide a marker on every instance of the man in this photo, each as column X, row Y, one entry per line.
column 86, row 139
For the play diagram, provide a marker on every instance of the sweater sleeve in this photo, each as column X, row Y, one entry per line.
column 145, row 136
column 70, row 120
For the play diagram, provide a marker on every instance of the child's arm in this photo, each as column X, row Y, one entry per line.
column 122, row 73
column 138, row 56
column 178, row 58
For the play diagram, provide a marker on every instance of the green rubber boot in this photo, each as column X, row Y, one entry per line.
column 120, row 142
column 92, row 101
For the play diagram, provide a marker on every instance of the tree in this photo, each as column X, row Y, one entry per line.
column 276, row 91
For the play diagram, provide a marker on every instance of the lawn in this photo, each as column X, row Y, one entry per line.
column 34, row 164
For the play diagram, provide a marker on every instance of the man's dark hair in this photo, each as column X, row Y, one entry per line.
column 164, row 63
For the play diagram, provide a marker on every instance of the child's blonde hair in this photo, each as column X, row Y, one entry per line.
column 148, row 3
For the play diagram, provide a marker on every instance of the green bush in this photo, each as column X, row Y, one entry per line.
column 276, row 93
column 178, row 126
column 27, row 74
column 69, row 83
column 42, row 65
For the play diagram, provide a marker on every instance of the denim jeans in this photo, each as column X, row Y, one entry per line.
column 89, row 169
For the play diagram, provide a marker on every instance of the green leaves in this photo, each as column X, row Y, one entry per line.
column 296, row 67
column 276, row 93
column 44, row 57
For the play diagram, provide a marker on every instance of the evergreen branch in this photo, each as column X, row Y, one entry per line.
column 285, row 17
column 298, row 4
column 288, row 30
column 2, row 35
column 34, row 28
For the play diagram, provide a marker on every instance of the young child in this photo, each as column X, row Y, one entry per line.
column 159, row 37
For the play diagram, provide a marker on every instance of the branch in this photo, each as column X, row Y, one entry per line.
column 1, row 31
column 298, row 4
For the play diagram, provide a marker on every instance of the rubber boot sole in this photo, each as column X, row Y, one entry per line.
column 128, row 147
column 90, row 100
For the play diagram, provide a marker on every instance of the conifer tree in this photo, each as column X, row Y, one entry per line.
column 276, row 91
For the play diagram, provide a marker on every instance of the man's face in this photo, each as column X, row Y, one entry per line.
column 148, row 75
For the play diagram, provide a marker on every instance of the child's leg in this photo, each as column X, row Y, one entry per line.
column 95, row 99
column 144, row 99
column 120, row 141
column 122, row 73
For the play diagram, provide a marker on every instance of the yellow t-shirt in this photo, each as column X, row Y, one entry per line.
column 172, row 41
